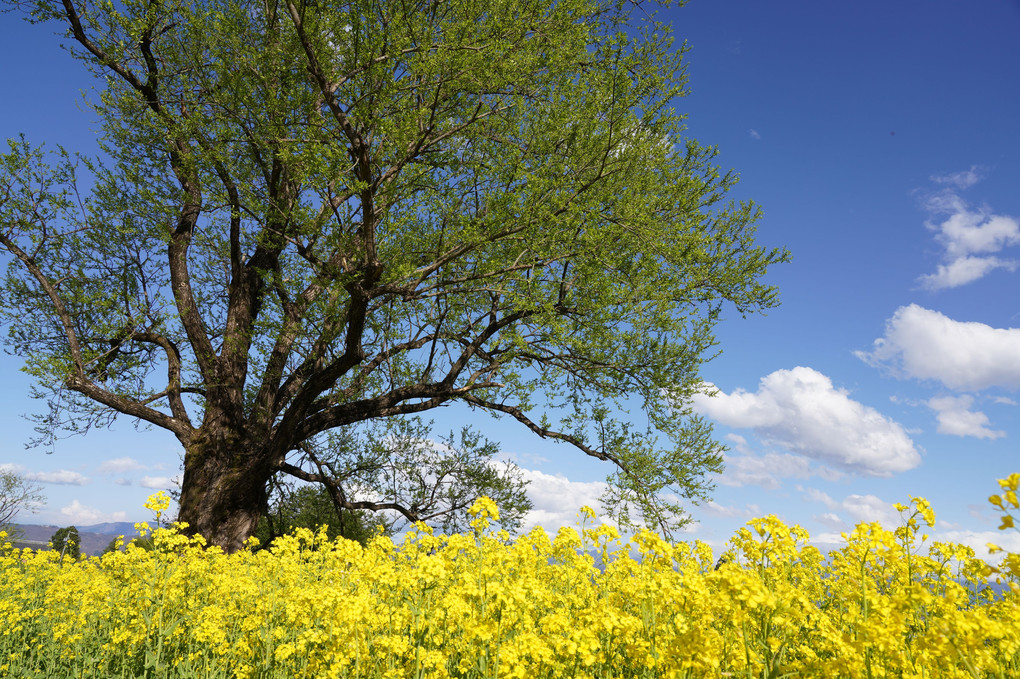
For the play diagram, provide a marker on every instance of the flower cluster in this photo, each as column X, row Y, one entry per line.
column 479, row 605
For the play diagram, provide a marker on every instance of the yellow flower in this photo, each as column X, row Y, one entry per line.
column 486, row 605
column 484, row 506
column 158, row 502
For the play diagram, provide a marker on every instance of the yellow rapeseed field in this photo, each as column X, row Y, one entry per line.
column 888, row 604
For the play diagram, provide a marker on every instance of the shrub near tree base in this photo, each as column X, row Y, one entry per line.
column 479, row 605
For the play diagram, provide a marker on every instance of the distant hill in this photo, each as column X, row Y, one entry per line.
column 118, row 527
column 94, row 538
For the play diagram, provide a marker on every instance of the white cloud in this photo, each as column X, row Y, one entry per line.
column 815, row 495
column 801, row 411
column 870, row 508
column 738, row 440
column 979, row 541
column 852, row 510
column 77, row 513
column 970, row 237
column 769, row 470
column 160, row 482
column 962, row 180
column 967, row 233
column 925, row 344
column 754, row 134
column 828, row 541
column 956, row 418
column 523, row 458
column 556, row 499
column 964, row 270
column 60, row 476
column 119, row 465
column 715, row 509
column 832, row 521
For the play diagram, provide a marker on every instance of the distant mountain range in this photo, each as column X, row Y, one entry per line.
column 94, row 538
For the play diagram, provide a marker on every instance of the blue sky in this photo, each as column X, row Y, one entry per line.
column 882, row 142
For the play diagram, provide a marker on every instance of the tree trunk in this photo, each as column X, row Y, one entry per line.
column 225, row 487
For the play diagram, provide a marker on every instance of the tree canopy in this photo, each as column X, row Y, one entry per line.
column 322, row 220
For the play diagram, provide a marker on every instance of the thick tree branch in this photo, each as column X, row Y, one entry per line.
column 173, row 369
column 86, row 387
column 180, row 238
column 78, row 31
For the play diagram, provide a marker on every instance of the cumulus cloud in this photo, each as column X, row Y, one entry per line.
column 964, row 270
column 923, row 344
column 77, row 513
column 869, row 509
column 852, row 510
column 119, row 465
column 745, row 467
column 955, row 417
column 556, row 499
column 970, row 237
column 967, row 233
column 979, row 541
column 800, row 410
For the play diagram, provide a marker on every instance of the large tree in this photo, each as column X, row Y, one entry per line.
column 311, row 216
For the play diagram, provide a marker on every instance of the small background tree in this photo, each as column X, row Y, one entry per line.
column 16, row 494
column 67, row 542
